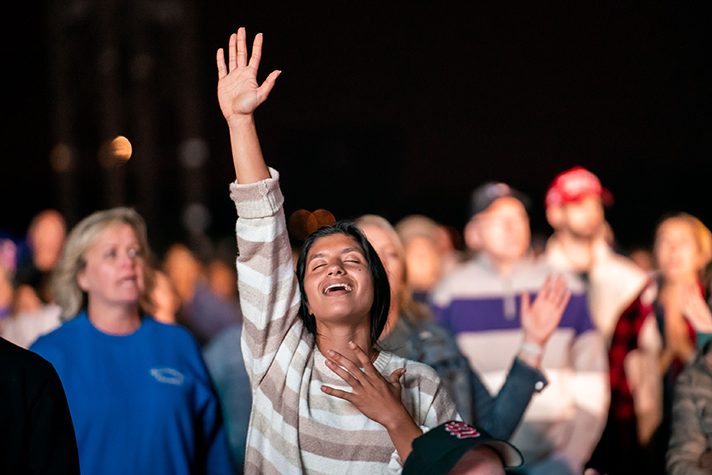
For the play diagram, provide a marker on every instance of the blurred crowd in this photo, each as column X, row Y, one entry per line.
column 617, row 382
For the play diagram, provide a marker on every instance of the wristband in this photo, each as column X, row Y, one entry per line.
column 532, row 348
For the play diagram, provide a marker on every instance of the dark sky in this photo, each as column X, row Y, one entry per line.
column 403, row 107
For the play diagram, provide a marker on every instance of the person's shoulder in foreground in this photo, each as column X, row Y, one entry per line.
column 37, row 435
column 447, row 449
column 688, row 452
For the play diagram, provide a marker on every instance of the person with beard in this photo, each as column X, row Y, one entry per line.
column 583, row 243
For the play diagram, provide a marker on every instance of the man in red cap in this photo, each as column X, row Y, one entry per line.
column 581, row 243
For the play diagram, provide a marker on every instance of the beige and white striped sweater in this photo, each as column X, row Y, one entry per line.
column 294, row 426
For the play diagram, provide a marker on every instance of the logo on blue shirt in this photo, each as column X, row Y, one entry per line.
column 168, row 376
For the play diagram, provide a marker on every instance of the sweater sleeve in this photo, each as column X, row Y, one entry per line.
column 441, row 408
column 267, row 284
column 435, row 406
column 687, row 440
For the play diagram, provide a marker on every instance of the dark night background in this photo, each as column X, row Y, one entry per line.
column 395, row 108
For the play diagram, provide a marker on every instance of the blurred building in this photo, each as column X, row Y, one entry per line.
column 126, row 111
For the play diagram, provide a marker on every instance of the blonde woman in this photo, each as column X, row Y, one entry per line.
column 654, row 339
column 139, row 394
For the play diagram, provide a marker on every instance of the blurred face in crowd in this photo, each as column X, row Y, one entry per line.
column 47, row 236
column 643, row 258
column 337, row 280
column 165, row 299
column 423, row 262
column 501, row 231
column 677, row 250
column 388, row 251
column 583, row 218
column 222, row 279
column 113, row 274
column 184, row 270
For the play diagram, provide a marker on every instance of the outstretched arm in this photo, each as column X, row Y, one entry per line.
column 268, row 289
column 239, row 95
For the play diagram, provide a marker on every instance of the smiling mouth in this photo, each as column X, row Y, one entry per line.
column 339, row 287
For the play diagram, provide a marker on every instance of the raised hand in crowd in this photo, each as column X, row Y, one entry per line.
column 542, row 317
column 696, row 310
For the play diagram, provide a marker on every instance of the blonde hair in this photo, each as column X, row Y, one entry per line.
column 65, row 288
column 702, row 234
column 406, row 305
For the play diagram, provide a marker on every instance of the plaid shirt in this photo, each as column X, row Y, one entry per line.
column 624, row 340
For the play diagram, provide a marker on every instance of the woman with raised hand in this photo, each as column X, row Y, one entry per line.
column 325, row 400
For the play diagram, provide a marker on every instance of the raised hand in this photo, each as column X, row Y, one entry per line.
column 539, row 319
column 238, row 91
column 696, row 310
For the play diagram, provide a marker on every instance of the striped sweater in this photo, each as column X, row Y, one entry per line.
column 481, row 308
column 294, row 426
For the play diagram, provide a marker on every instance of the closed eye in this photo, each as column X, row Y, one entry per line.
column 354, row 261
column 352, row 257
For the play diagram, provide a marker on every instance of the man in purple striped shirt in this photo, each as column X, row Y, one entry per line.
column 480, row 303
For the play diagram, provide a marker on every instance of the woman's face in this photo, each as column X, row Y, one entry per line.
column 677, row 252
column 114, row 270
column 165, row 299
column 47, row 238
column 337, row 281
column 423, row 262
column 387, row 251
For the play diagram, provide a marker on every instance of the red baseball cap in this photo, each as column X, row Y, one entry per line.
column 574, row 184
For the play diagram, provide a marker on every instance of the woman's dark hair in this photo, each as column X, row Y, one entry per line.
column 381, row 289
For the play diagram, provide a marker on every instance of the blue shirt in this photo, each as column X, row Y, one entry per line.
column 141, row 403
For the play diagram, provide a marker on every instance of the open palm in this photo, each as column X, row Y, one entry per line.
column 539, row 319
column 239, row 94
